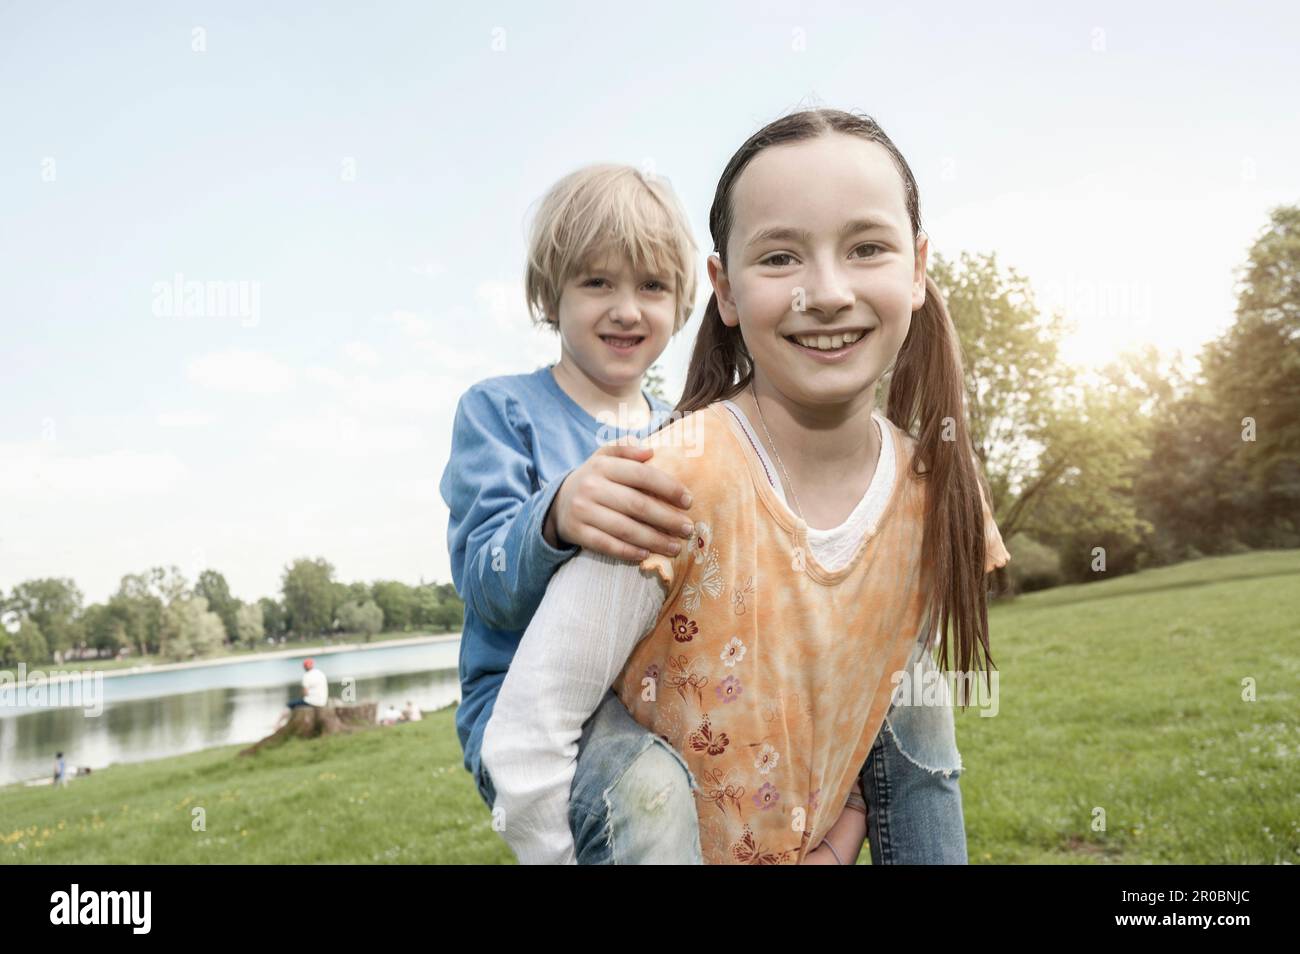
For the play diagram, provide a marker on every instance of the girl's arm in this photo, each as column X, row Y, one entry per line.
column 847, row 834
column 595, row 611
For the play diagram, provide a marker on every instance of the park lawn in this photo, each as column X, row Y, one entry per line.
column 1122, row 697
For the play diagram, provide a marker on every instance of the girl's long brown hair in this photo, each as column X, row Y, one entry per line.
column 926, row 389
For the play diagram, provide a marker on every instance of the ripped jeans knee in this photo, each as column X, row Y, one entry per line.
column 910, row 782
column 633, row 796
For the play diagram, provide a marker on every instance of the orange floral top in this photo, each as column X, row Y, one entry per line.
column 770, row 674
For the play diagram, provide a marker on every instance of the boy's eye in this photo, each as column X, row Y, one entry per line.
column 656, row 285
column 772, row 259
column 870, row 245
column 592, row 281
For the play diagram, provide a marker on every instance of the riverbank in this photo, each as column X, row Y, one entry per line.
column 56, row 672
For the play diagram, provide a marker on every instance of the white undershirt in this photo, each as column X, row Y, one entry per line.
column 834, row 548
column 595, row 611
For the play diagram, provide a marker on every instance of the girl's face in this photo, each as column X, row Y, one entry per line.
column 614, row 322
column 820, row 245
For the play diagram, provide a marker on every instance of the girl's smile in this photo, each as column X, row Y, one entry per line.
column 828, row 347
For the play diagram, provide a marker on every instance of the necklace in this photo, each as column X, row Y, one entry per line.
column 772, row 444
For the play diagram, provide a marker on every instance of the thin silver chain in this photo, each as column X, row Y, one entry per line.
column 772, row 444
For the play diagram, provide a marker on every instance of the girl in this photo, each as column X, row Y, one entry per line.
column 765, row 652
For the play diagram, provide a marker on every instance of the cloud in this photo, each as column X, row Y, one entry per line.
column 361, row 353
column 326, row 376
column 410, row 323
column 38, row 468
column 504, row 303
column 184, row 420
column 345, row 435
column 242, row 372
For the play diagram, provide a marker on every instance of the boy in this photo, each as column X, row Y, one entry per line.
column 531, row 479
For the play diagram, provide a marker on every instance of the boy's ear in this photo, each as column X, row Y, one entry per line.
column 918, row 275
column 722, row 289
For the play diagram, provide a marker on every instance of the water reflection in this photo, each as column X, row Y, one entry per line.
column 157, row 714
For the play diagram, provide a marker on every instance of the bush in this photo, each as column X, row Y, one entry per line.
column 1033, row 566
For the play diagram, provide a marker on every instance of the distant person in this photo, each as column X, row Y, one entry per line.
column 411, row 713
column 391, row 715
column 315, row 687
column 60, row 770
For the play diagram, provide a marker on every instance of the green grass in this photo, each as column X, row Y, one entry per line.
column 387, row 794
column 1122, row 695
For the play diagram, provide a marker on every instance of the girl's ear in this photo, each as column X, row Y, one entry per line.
column 722, row 290
column 918, row 275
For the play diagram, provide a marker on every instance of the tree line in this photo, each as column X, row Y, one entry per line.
column 1143, row 462
column 159, row 612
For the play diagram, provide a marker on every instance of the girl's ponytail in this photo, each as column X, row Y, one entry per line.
column 927, row 387
column 720, row 365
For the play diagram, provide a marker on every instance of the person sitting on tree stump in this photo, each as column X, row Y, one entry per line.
column 315, row 687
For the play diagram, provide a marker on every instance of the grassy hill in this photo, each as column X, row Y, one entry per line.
column 1124, row 696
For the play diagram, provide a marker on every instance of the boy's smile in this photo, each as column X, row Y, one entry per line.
column 623, row 344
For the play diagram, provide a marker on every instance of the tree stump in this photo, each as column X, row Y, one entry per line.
column 312, row 722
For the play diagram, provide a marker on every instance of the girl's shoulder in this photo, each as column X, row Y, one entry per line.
column 699, row 444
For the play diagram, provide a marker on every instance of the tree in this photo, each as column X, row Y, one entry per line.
column 273, row 617
column 654, row 382
column 54, row 605
column 1057, row 449
column 212, row 586
column 140, row 601
column 248, row 624
column 309, row 596
column 189, row 630
column 27, row 645
column 397, row 600
column 105, row 629
column 1252, row 373
column 425, row 604
column 366, row 618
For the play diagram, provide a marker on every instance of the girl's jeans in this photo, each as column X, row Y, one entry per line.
column 632, row 801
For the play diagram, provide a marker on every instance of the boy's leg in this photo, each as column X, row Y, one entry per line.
column 914, row 810
column 633, row 796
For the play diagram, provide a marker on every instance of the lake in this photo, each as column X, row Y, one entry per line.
column 149, row 715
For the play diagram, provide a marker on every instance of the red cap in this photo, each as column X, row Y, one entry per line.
column 308, row 663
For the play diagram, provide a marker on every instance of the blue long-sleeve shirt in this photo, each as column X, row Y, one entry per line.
column 515, row 438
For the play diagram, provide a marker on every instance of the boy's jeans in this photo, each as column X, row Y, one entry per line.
column 632, row 801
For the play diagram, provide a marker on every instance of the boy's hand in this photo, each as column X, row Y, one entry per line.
column 619, row 505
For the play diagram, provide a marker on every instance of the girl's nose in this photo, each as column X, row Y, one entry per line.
column 828, row 292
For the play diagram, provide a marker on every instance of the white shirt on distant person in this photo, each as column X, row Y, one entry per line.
column 315, row 687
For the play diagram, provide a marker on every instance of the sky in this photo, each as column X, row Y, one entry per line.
column 361, row 176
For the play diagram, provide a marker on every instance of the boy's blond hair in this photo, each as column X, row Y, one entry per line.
column 608, row 207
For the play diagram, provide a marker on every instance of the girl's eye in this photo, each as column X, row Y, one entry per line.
column 592, row 281
column 870, row 245
column 772, row 259
column 656, row 285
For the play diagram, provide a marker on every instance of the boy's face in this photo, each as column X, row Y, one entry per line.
column 614, row 321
